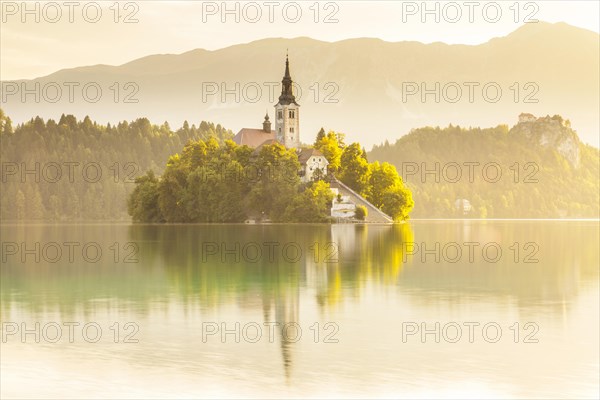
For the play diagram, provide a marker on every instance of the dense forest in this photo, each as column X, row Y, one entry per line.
column 70, row 170
column 74, row 170
column 545, row 171
column 209, row 182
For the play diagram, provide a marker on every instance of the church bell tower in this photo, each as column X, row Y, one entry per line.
column 287, row 113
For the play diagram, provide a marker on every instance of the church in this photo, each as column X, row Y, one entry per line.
column 286, row 132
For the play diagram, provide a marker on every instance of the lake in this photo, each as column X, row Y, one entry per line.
column 423, row 309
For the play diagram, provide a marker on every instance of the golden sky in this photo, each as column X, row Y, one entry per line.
column 89, row 33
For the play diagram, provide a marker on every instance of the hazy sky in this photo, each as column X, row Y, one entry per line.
column 71, row 34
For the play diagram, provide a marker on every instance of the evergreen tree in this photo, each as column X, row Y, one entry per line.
column 320, row 136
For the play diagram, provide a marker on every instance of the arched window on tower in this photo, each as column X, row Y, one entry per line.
column 292, row 114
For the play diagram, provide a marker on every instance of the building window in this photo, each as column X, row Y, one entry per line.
column 292, row 130
column 292, row 114
column 280, row 114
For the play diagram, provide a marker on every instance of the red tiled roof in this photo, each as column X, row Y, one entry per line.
column 252, row 137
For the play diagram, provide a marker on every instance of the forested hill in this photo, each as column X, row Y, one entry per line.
column 81, row 170
column 545, row 171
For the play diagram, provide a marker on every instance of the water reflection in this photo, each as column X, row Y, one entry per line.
column 208, row 265
column 213, row 265
column 354, row 274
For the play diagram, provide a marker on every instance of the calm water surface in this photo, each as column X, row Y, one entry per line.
column 320, row 310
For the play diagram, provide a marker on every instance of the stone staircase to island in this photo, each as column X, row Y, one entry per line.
column 374, row 214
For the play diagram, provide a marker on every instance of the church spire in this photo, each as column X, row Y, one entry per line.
column 287, row 92
column 267, row 123
column 287, row 66
column 287, row 112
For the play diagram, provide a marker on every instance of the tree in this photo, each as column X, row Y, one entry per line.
column 330, row 148
column 34, row 207
column 278, row 181
column 354, row 168
column 232, row 186
column 380, row 178
column 20, row 203
column 318, row 175
column 386, row 191
column 142, row 205
column 320, row 135
column 312, row 205
column 397, row 202
column 360, row 213
column 341, row 139
column 172, row 190
column 124, row 151
column 8, row 129
column 73, row 204
column 5, row 124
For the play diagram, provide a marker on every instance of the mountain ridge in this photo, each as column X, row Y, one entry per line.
column 368, row 75
column 529, row 28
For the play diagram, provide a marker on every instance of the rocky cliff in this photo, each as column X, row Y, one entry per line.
column 553, row 132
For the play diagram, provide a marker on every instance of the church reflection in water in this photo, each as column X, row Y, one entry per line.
column 268, row 266
column 281, row 270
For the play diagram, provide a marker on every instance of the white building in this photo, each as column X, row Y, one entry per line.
column 463, row 206
column 312, row 163
column 342, row 208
